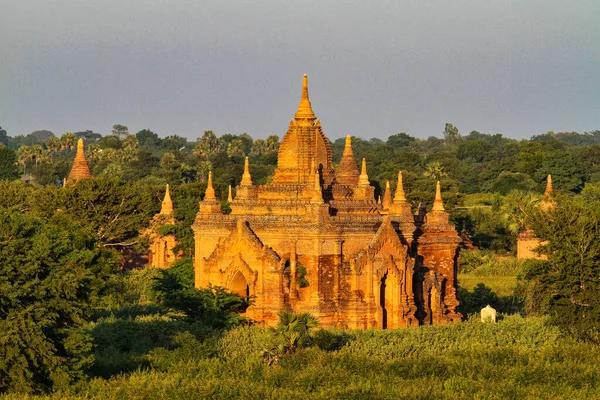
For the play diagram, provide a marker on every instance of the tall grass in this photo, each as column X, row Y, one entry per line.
column 515, row 358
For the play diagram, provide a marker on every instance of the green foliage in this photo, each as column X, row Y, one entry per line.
column 50, row 273
column 214, row 307
column 566, row 283
column 485, row 262
column 294, row 330
column 8, row 164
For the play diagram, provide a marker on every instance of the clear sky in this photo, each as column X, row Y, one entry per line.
column 375, row 68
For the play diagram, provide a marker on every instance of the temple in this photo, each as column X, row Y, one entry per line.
column 80, row 169
column 316, row 240
column 527, row 242
column 162, row 253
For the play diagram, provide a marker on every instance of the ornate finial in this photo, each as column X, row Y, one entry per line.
column 167, row 203
column 548, row 186
column 80, row 145
column 64, row 181
column 379, row 199
column 387, row 196
column 400, row 197
column 348, row 141
column 347, row 173
column 438, row 204
column 229, row 195
column 304, row 108
column 363, row 179
column 246, row 178
column 210, row 191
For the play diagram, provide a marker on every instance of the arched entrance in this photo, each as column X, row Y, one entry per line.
column 382, row 301
column 239, row 286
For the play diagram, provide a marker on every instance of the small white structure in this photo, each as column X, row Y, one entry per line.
column 488, row 314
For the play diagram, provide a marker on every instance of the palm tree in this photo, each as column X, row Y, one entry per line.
column 53, row 144
column 272, row 144
column 235, row 148
column 517, row 209
column 67, row 141
column 23, row 156
column 36, row 152
column 434, row 170
column 294, row 329
column 93, row 151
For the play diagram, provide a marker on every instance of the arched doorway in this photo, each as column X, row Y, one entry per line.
column 239, row 286
column 382, row 301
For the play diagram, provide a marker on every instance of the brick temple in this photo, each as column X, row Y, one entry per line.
column 316, row 240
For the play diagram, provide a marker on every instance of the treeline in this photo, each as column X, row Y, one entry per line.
column 471, row 163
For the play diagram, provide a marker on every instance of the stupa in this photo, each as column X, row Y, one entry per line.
column 161, row 253
column 316, row 240
column 80, row 169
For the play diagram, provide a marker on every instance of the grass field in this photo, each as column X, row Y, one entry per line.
column 516, row 358
column 501, row 285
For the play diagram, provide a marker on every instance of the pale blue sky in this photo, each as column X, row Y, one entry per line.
column 375, row 68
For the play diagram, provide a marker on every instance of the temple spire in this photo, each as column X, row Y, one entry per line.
column 548, row 186
column 80, row 168
column 246, row 177
column 347, row 173
column 304, row 108
column 229, row 195
column 210, row 191
column 167, row 203
column 387, row 196
column 438, row 204
column 363, row 179
column 400, row 197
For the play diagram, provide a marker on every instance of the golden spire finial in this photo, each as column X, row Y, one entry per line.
column 229, row 195
column 548, row 186
column 387, row 196
column 348, row 141
column 210, row 191
column 363, row 179
column 167, row 203
column 438, row 204
column 379, row 199
column 400, row 197
column 246, row 178
column 80, row 145
column 304, row 108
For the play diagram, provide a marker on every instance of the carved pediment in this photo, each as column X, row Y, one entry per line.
column 385, row 244
column 243, row 242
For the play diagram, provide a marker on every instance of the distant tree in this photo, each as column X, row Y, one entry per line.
column 54, row 144
column 8, row 164
column 3, row 137
column 400, row 140
column 120, row 131
column 42, row 135
column 451, row 134
column 88, row 135
column 24, row 155
column 148, row 139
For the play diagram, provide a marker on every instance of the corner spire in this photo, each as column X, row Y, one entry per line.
column 246, row 177
column 400, row 196
column 229, row 195
column 167, row 203
column 317, row 194
column 548, row 186
column 304, row 108
column 363, row 179
column 438, row 204
column 347, row 173
column 210, row 191
column 387, row 196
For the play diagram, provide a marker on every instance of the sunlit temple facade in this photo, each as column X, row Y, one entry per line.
column 316, row 240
